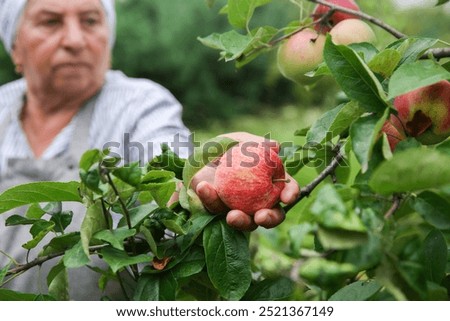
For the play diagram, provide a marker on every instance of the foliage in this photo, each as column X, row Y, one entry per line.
column 378, row 230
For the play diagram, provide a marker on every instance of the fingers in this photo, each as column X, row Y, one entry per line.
column 241, row 221
column 291, row 191
column 269, row 218
column 208, row 195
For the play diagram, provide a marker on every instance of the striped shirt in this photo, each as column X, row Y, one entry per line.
column 132, row 117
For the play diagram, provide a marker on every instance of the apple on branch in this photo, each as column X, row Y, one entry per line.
column 324, row 22
column 425, row 112
column 299, row 54
column 351, row 31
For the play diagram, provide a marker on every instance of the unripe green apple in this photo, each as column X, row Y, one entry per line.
column 425, row 112
column 352, row 31
column 299, row 54
column 320, row 10
column 250, row 177
column 394, row 131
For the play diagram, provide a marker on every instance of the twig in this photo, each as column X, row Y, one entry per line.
column 43, row 259
column 126, row 213
column 363, row 16
column 329, row 170
column 437, row 53
column 396, row 201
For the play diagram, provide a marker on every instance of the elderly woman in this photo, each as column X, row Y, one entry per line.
column 69, row 101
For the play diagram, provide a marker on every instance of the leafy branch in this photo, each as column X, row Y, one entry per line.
column 41, row 260
column 437, row 53
column 328, row 171
column 364, row 16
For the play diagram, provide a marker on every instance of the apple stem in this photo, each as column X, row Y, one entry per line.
column 285, row 180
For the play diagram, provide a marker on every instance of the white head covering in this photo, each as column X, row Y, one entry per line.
column 11, row 11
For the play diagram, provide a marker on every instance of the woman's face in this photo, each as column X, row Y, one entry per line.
column 63, row 46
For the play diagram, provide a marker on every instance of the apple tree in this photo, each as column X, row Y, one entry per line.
column 374, row 223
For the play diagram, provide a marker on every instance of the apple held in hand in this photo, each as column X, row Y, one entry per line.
column 425, row 112
column 352, row 31
column 250, row 177
column 324, row 26
column 301, row 53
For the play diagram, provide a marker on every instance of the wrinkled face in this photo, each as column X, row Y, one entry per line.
column 63, row 46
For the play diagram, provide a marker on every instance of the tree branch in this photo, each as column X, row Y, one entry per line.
column 396, row 201
column 437, row 53
column 329, row 170
column 41, row 260
column 363, row 16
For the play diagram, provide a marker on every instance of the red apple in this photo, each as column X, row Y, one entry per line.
column 250, row 177
column 425, row 112
column 352, row 31
column 320, row 10
column 301, row 53
column 394, row 131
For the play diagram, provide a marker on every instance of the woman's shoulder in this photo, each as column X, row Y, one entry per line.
column 12, row 90
column 117, row 81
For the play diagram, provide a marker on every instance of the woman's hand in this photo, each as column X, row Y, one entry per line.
column 203, row 184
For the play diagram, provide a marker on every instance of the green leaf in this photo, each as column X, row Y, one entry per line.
column 331, row 212
column 14, row 220
column 93, row 222
column 259, row 44
column 435, row 256
column 241, row 11
column 38, row 230
column 192, row 264
column 130, row 174
column 411, row 170
column 161, row 185
column 364, row 133
column 412, row 48
column 227, row 259
column 208, row 152
column 3, row 272
column 231, row 44
column 62, row 220
column 335, row 239
column 334, row 121
column 441, row 2
column 37, row 193
column 354, row 76
column 196, row 225
column 385, row 62
column 89, row 158
column 168, row 161
column 277, row 289
column 34, row 211
column 138, row 214
column 156, row 287
column 60, row 243
column 357, row 291
column 10, row 295
column 117, row 259
column 433, row 208
column 76, row 257
column 326, row 273
column 150, row 239
column 415, row 75
column 115, row 237
column 58, row 282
